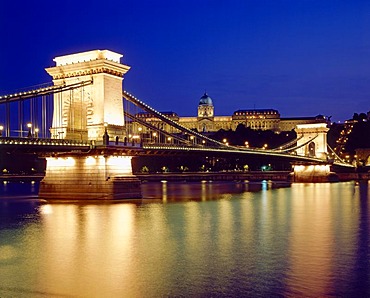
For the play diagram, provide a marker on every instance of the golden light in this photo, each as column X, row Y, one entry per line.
column 191, row 137
column 154, row 134
column 121, row 164
column 140, row 128
column 224, row 140
column 90, row 161
column 169, row 139
column 36, row 130
column 29, row 125
column 46, row 209
column 312, row 168
column 60, row 162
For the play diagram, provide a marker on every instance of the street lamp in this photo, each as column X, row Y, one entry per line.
column 1, row 130
column 36, row 132
column 154, row 134
column 140, row 129
column 29, row 126
column 105, row 136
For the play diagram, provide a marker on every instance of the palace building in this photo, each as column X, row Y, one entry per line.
column 206, row 121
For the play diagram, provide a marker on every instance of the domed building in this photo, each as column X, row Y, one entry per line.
column 206, row 121
column 205, row 113
column 205, row 107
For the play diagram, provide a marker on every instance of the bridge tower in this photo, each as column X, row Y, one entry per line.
column 85, row 113
column 314, row 138
column 89, row 113
column 312, row 142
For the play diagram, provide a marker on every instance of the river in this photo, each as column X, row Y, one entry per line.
column 206, row 239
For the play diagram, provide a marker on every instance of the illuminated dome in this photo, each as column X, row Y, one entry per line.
column 205, row 100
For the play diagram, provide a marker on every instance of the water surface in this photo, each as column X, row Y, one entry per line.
column 197, row 239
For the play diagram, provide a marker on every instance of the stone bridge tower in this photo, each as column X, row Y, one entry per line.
column 314, row 136
column 84, row 113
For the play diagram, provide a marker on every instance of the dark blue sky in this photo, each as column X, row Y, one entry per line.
column 301, row 57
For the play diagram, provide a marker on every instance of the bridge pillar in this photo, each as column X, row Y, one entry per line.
column 312, row 142
column 89, row 177
column 81, row 113
column 313, row 173
column 314, row 138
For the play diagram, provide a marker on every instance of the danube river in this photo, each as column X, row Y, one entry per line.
column 190, row 239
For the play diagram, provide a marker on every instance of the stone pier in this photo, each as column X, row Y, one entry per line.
column 313, row 173
column 89, row 178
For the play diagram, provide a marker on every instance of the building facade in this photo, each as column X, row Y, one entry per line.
column 206, row 121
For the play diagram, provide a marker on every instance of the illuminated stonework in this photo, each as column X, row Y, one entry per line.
column 313, row 173
column 89, row 178
column 81, row 113
column 315, row 140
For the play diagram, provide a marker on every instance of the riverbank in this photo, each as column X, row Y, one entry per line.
column 24, row 178
column 199, row 176
column 238, row 176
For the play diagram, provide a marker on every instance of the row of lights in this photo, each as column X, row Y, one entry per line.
column 246, row 143
column 19, row 142
column 26, row 93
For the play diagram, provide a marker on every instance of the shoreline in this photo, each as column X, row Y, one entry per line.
column 200, row 176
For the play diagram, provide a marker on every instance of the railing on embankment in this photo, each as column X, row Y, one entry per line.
column 199, row 176
column 216, row 176
column 237, row 176
column 353, row 176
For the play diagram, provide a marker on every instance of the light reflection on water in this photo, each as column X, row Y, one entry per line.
column 198, row 239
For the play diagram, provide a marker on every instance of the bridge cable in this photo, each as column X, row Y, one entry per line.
column 288, row 144
column 167, row 120
column 146, row 124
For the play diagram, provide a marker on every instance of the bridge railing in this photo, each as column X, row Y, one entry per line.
column 41, row 142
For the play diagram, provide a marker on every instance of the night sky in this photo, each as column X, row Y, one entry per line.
column 301, row 57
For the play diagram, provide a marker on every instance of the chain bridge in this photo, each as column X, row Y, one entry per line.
column 88, row 128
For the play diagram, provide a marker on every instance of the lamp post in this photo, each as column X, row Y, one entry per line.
column 36, row 132
column 29, row 126
column 140, row 129
column 1, row 130
column 105, row 136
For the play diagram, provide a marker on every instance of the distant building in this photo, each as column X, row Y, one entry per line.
column 206, row 121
